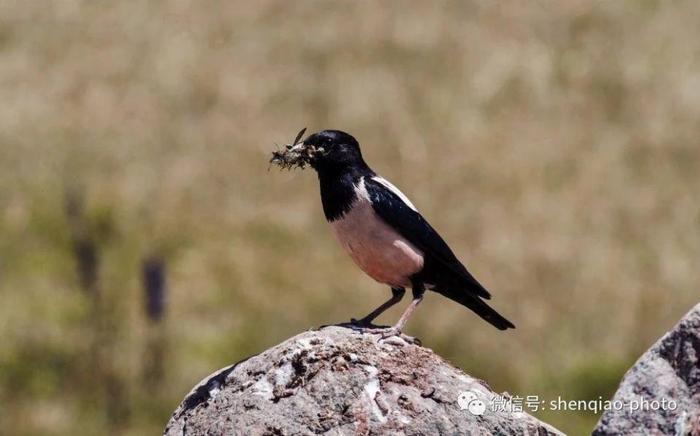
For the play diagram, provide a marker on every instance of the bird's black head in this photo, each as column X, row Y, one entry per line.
column 333, row 150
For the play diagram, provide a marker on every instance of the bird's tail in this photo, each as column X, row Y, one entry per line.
column 482, row 309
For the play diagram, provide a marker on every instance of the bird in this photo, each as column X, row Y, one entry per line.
column 383, row 232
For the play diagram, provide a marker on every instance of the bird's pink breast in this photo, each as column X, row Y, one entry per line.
column 380, row 251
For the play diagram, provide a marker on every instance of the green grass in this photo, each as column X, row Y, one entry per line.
column 553, row 145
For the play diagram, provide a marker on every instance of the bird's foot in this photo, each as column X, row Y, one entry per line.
column 390, row 332
column 394, row 332
column 384, row 332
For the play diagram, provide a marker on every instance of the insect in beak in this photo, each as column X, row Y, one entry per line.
column 297, row 146
column 296, row 154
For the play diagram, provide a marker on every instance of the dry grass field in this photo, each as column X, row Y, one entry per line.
column 555, row 145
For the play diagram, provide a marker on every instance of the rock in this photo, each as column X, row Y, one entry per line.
column 339, row 380
column 664, row 384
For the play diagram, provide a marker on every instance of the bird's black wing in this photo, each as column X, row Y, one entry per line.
column 388, row 203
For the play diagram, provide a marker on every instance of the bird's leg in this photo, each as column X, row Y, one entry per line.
column 396, row 296
column 418, row 291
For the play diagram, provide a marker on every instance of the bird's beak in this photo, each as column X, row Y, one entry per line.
column 305, row 152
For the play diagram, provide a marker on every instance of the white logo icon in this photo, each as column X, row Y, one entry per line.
column 468, row 400
column 477, row 407
column 465, row 398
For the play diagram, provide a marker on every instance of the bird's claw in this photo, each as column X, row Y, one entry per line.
column 384, row 333
column 393, row 332
column 389, row 332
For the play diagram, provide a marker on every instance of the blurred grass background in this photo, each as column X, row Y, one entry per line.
column 553, row 144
